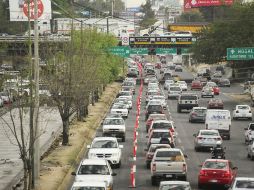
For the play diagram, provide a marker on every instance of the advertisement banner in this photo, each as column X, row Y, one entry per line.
column 19, row 10
column 187, row 5
column 207, row 3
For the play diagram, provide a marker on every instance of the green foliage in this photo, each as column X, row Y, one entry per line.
column 149, row 17
column 235, row 30
column 191, row 16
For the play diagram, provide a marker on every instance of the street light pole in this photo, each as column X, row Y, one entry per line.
column 112, row 11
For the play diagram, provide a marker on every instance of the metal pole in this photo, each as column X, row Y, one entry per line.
column 112, row 11
column 107, row 26
column 36, row 99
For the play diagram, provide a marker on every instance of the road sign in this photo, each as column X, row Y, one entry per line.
column 244, row 53
column 139, row 51
column 122, row 51
column 166, row 51
column 185, row 51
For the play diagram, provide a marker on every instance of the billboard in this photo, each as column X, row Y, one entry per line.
column 208, row 3
column 187, row 5
column 19, row 10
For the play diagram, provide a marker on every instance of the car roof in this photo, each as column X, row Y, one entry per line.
column 216, row 160
column 114, row 118
column 160, row 130
column 244, row 178
column 170, row 149
column 200, row 108
column 105, row 138
column 89, row 183
column 204, row 130
column 174, row 182
column 94, row 161
column 162, row 121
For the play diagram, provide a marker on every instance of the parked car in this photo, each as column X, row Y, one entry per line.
column 95, row 170
column 154, row 117
column 106, row 148
column 243, row 183
column 249, row 133
column 224, row 83
column 151, row 151
column 206, row 139
column 250, row 150
column 175, row 185
column 168, row 163
column 242, row 111
column 196, row 85
column 216, row 171
column 215, row 103
column 197, row 114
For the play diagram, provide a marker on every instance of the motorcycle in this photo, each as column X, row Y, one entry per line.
column 218, row 154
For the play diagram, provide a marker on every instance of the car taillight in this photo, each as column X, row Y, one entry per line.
column 199, row 138
column 154, row 167
column 202, row 173
column 226, row 174
column 194, row 114
column 218, row 139
column 172, row 130
column 184, row 168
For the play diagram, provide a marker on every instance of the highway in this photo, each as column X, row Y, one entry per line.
column 235, row 148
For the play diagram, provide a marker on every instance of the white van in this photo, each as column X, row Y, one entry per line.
column 220, row 120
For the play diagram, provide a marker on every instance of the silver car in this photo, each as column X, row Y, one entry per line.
column 197, row 114
column 250, row 150
column 206, row 138
column 243, row 183
column 207, row 92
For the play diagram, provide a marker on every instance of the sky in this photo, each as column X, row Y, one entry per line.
column 134, row 3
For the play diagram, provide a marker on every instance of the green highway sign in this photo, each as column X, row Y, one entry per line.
column 139, row 51
column 184, row 51
column 244, row 53
column 166, row 51
column 122, row 51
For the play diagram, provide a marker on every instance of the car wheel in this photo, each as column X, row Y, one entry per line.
column 252, row 157
column 148, row 165
column 248, row 155
column 119, row 164
column 228, row 137
column 123, row 139
column 190, row 121
column 196, row 149
column 178, row 109
column 154, row 181
column 200, row 186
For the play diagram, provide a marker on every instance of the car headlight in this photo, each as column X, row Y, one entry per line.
column 115, row 155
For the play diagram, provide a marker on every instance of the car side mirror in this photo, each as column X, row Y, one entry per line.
column 73, row 173
column 88, row 146
column 245, row 128
column 235, row 168
column 185, row 156
column 113, row 174
column 200, row 165
column 146, row 136
column 194, row 135
column 121, row 146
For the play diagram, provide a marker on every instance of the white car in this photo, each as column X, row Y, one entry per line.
column 168, row 83
column 174, row 92
column 106, row 148
column 98, row 185
column 95, row 170
column 150, row 94
column 163, row 124
column 250, row 150
column 124, row 101
column 162, row 100
column 207, row 91
column 120, row 109
column 167, row 185
column 183, row 85
column 114, row 127
column 243, row 183
column 249, row 133
column 242, row 111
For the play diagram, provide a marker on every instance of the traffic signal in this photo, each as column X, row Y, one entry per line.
column 151, row 51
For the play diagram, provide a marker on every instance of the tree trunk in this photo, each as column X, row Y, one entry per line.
column 25, row 175
column 65, row 140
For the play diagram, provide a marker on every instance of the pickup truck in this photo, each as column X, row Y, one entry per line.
column 168, row 163
column 249, row 133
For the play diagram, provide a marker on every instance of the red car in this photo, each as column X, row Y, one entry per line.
column 215, row 103
column 158, row 65
column 215, row 87
column 217, row 172
column 154, row 117
column 196, row 84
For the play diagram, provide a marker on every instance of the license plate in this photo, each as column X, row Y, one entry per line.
column 113, row 135
column 168, row 176
column 213, row 181
column 244, row 115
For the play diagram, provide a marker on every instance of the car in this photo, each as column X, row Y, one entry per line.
column 151, row 151
column 106, row 148
column 242, row 183
column 217, row 74
column 114, row 127
column 206, row 139
column 124, row 101
column 162, row 124
column 248, row 84
column 125, row 93
column 187, row 102
column 153, row 108
column 95, row 170
column 128, row 88
column 162, row 100
column 120, row 109
column 167, row 75
column 224, row 83
column 168, row 83
column 183, row 85
column 207, row 92
column 97, row 185
column 215, row 79
column 197, row 114
column 177, row 185
column 215, row 103
column 168, row 163
column 196, row 85
column 6, row 97
column 249, row 133
column 154, row 117
column 174, row 92
column 178, row 68
column 151, row 93
column 157, row 134
column 221, row 69
column 216, row 172
column 250, row 150
column 215, row 87
column 242, row 111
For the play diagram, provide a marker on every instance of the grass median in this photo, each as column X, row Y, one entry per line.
column 56, row 168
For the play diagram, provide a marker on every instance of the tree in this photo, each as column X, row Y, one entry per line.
column 149, row 16
column 191, row 16
column 235, row 30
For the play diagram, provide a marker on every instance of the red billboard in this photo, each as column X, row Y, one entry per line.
column 208, row 3
column 187, row 5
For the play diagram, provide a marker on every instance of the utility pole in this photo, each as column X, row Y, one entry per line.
column 107, row 26
column 36, row 100
column 112, row 11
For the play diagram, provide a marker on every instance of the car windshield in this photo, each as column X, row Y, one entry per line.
column 113, row 122
column 152, row 93
column 119, row 106
column 88, row 188
column 209, row 133
column 154, row 108
column 175, row 187
column 243, row 107
column 170, row 155
column 104, row 144
column 125, row 93
column 175, row 89
column 246, row 184
column 93, row 170
column 215, row 165
column 200, row 111
column 160, row 134
column 157, row 117
column 188, row 97
column 162, row 125
column 251, row 126
column 159, row 97
column 154, row 148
